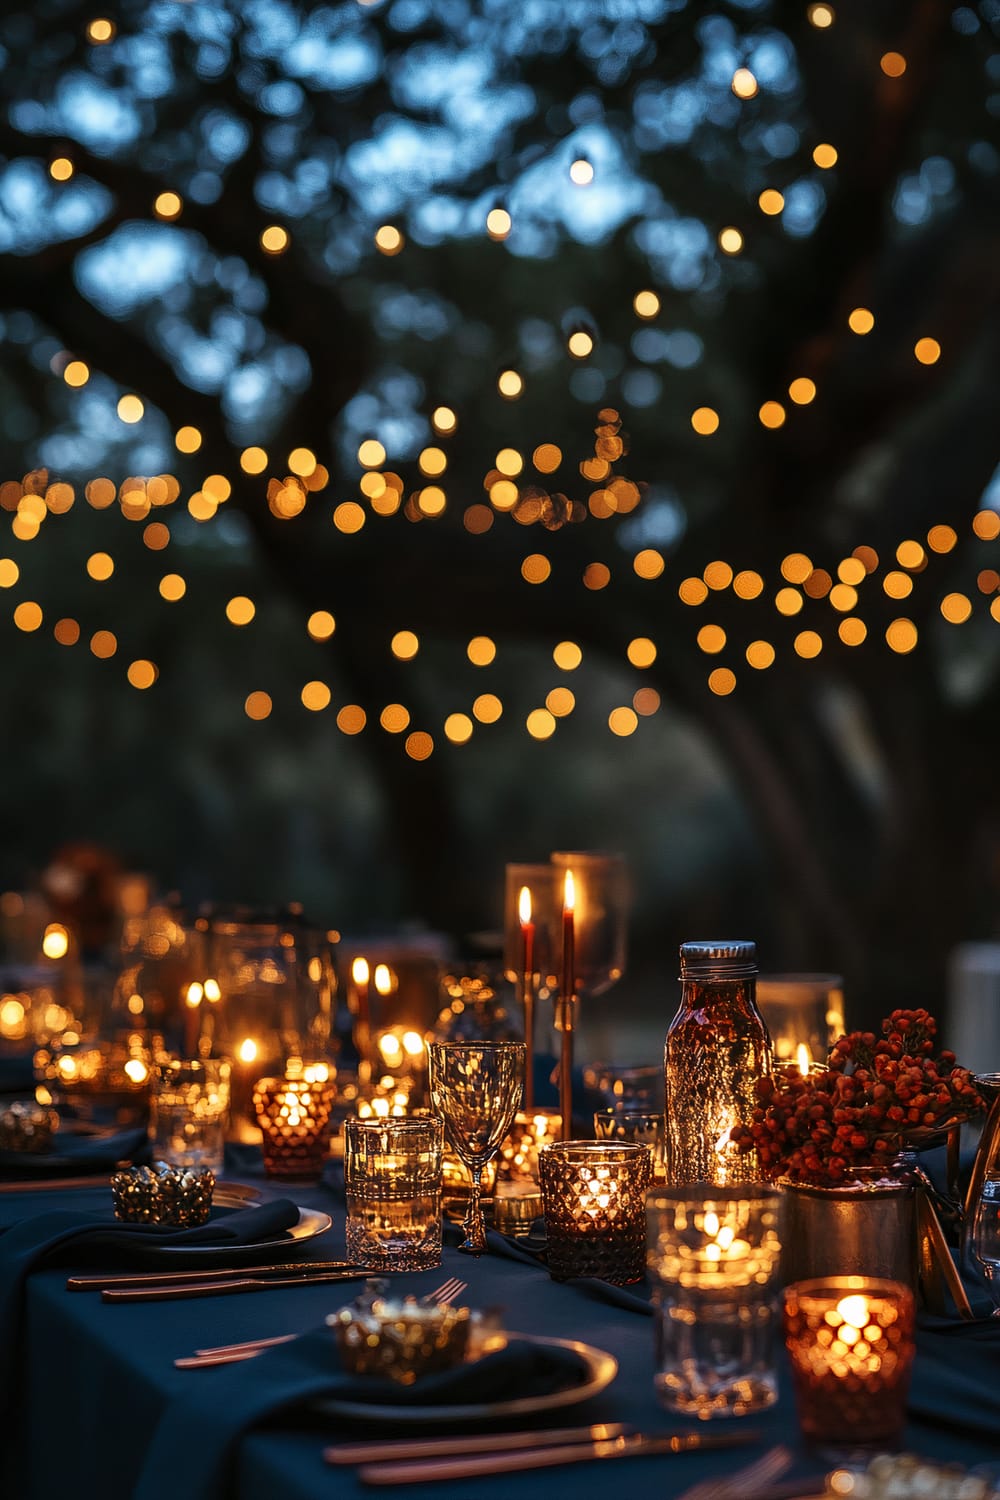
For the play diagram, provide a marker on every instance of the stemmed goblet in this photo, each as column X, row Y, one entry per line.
column 476, row 1089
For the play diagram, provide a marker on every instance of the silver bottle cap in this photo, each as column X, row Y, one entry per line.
column 720, row 958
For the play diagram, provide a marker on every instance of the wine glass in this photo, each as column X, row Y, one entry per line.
column 476, row 1088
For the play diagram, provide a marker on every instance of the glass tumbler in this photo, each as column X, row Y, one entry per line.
column 189, row 1107
column 593, row 1195
column 392, row 1174
column 713, row 1255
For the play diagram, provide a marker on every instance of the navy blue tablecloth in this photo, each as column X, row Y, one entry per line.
column 96, row 1382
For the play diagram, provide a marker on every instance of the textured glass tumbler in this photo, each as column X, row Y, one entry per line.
column 593, row 1201
column 620, row 1123
column 392, row 1174
column 714, row 1258
column 851, row 1344
column 189, row 1109
column 294, row 1118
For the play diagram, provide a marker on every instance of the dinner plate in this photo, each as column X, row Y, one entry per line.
column 311, row 1223
column 601, row 1369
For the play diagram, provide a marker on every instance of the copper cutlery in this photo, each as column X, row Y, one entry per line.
column 636, row 1445
column 192, row 1286
column 483, row 1442
column 137, row 1279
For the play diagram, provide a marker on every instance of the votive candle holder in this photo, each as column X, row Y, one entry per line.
column 593, row 1202
column 647, row 1127
column 518, row 1156
column 294, row 1118
column 851, row 1344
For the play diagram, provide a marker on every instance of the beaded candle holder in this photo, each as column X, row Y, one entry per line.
column 851, row 1344
column 294, row 1118
column 162, row 1194
column 594, row 1202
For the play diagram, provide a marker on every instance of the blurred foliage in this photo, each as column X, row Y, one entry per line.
column 843, row 808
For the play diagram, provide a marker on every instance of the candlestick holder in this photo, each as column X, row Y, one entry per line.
column 851, row 1344
column 593, row 1200
column 530, row 958
column 294, row 1118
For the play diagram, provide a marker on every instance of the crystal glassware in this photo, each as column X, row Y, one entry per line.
column 476, row 1088
column 293, row 1114
column 593, row 1201
column 804, row 1014
column 392, row 1174
column 646, row 1127
column 714, row 1260
column 189, row 1105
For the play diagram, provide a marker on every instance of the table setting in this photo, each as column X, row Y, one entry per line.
column 749, row 1268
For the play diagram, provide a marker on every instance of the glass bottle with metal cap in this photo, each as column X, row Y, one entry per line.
column 716, row 1048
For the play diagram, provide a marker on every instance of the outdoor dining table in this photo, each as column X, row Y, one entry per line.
column 98, row 1401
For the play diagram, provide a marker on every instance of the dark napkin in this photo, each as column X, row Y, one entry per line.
column 72, row 1152
column 207, row 1424
column 69, row 1235
column 17, row 1074
column 955, row 1374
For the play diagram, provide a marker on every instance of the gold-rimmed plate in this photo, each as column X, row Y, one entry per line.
column 600, row 1369
column 311, row 1223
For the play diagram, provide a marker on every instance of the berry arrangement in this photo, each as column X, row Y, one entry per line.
column 879, row 1096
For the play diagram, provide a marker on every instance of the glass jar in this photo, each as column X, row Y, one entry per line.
column 716, row 1048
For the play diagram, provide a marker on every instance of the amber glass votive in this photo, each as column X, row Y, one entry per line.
column 294, row 1117
column 594, row 1204
column 851, row 1343
column 532, row 1128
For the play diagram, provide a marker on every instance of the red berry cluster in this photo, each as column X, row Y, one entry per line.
column 879, row 1096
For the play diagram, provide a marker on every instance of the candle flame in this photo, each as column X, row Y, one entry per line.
column 524, row 905
column 195, row 994
column 383, row 979
column 854, row 1311
column 569, row 892
column 359, row 971
column 802, row 1059
column 247, row 1050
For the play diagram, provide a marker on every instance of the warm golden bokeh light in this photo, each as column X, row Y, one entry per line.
column 61, row 169
column 648, row 563
column 66, row 631
column 477, row 519
column 851, row 570
column 746, row 585
column 351, row 719
column 371, row 454
column 580, row 344
column 510, row 384
column 487, row 708
column 596, row 576
column 76, row 373
column 843, row 597
column 897, row 585
column 481, row 651
column 718, row 575
column 419, row 745
column 540, row 724
column 693, row 591
column 253, row 460
column 560, row 702
column 623, row 721
column 771, row 202
column 142, row 673
column 104, row 644
column 28, row 616
column 156, row 536
column 868, row 558
column 722, row 681
column 404, row 645
column 820, row 16
column 167, row 206
column 536, row 568
column 388, row 239
column 911, row 555
column 100, row 30
column 825, row 156
column 641, row 652
column 316, row 696
column 901, row 636
column 705, row 421
column 744, row 85
column 567, row 656
column 498, row 223
column 771, row 414
column 730, row 240
column 808, row 644
column 646, row 701
column 861, row 320
column 956, row 608
column 988, row 581
column 646, row 304
column 852, row 631
column 760, row 654
column 187, row 440
column 986, row 525
column 893, row 64
column 581, row 172
column 9, row 572
column 349, row 517
column 458, row 728
column 927, row 351
column 131, row 409
column 172, row 587
column 258, row 705
column 788, row 601
column 802, row 390
column 942, row 538
column 444, row 420
column 240, row 610
column 320, row 625
column 711, row 639
column 796, row 567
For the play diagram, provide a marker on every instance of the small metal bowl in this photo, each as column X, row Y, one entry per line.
column 162, row 1194
column 399, row 1339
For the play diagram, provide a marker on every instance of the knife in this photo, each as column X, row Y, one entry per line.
column 421, row 1471
column 192, row 1288
column 483, row 1442
column 100, row 1283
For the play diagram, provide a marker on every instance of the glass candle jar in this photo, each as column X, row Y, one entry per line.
column 593, row 1201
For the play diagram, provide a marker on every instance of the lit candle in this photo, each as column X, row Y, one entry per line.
column 803, row 1058
column 528, row 991
column 360, row 974
column 566, row 1002
column 294, row 1117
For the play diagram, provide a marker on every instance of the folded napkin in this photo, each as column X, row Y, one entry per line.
column 67, row 1235
column 955, row 1375
column 207, row 1424
column 72, row 1152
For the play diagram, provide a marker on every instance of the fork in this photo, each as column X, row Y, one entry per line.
column 741, row 1484
column 226, row 1354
